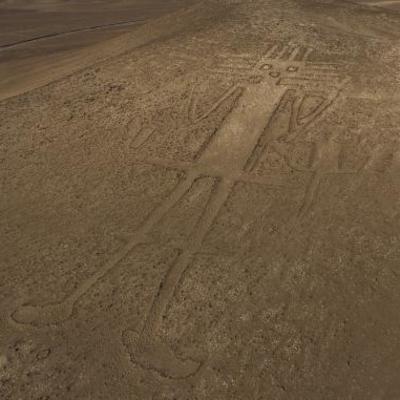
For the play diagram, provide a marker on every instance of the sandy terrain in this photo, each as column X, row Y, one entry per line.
column 391, row 5
column 44, row 40
column 205, row 206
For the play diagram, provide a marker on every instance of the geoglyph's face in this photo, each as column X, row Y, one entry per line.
column 287, row 65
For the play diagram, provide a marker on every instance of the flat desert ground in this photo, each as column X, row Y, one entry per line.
column 199, row 200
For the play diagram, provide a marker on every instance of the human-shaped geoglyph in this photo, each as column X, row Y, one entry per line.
column 282, row 76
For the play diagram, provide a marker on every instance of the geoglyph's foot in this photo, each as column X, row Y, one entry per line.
column 42, row 315
column 157, row 356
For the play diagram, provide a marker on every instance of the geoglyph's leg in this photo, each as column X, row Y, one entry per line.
column 145, row 348
column 58, row 312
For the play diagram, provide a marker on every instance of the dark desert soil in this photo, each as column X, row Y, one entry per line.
column 205, row 206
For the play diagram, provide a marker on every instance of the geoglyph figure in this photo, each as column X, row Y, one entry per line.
column 283, row 84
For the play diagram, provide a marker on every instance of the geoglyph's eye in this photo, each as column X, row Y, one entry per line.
column 270, row 67
column 292, row 68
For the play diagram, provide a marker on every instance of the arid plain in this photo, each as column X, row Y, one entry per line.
column 200, row 200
